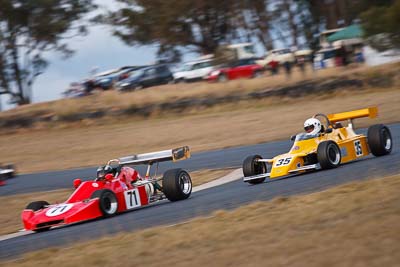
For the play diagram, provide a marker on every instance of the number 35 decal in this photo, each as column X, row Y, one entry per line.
column 283, row 162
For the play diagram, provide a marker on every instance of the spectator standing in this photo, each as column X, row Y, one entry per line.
column 273, row 65
column 359, row 56
column 288, row 69
column 301, row 65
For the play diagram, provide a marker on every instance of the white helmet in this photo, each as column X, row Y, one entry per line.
column 312, row 126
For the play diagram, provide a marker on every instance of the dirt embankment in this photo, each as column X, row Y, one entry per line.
column 350, row 80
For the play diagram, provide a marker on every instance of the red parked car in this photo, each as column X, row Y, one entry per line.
column 116, row 189
column 243, row 68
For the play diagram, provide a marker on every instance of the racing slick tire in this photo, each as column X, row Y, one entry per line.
column 180, row 80
column 138, row 87
column 222, row 78
column 251, row 167
column 328, row 155
column 177, row 184
column 257, row 74
column 35, row 206
column 108, row 203
column 379, row 140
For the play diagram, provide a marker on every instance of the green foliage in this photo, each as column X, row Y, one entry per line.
column 381, row 26
column 207, row 25
column 27, row 30
column 201, row 26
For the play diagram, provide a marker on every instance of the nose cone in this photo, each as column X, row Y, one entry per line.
column 285, row 163
column 281, row 165
column 304, row 146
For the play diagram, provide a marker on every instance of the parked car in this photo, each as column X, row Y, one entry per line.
column 75, row 90
column 146, row 77
column 325, row 58
column 194, row 71
column 278, row 55
column 107, row 80
column 243, row 68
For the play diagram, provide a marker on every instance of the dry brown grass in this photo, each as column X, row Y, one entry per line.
column 218, row 127
column 12, row 206
column 112, row 100
column 350, row 225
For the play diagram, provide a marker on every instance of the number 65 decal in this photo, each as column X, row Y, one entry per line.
column 283, row 162
column 358, row 148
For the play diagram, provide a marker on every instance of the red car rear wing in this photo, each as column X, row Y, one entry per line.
column 175, row 154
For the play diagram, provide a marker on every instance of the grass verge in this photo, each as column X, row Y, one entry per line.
column 166, row 93
column 350, row 225
column 169, row 99
column 12, row 206
column 242, row 123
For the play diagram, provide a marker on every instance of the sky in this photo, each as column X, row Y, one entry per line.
column 99, row 49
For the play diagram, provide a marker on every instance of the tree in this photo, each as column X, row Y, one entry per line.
column 28, row 29
column 255, row 19
column 200, row 25
column 318, row 15
column 381, row 25
column 310, row 22
column 286, row 16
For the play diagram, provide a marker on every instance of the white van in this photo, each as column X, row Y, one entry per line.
column 194, row 71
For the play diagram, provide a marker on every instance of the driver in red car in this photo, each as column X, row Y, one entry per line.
column 102, row 172
column 125, row 174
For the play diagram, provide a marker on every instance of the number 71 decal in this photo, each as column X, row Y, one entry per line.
column 58, row 210
column 132, row 199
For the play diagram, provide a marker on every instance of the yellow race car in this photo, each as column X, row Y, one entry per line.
column 322, row 146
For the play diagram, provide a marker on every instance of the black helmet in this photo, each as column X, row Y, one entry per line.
column 102, row 171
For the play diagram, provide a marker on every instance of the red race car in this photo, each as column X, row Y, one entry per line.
column 243, row 68
column 116, row 189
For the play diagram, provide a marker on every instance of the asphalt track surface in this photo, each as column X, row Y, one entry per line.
column 202, row 203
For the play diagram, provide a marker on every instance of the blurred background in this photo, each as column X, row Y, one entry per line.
column 53, row 47
column 86, row 81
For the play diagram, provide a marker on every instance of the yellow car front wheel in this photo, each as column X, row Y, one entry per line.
column 251, row 167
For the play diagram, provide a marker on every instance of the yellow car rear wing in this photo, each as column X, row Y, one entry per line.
column 370, row 112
